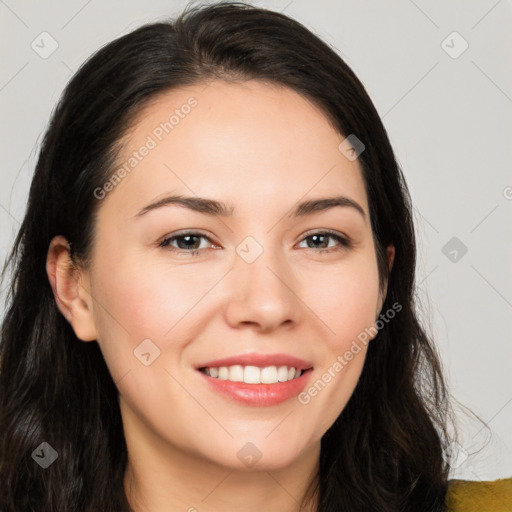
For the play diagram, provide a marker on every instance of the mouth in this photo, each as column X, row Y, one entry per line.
column 253, row 374
column 255, row 379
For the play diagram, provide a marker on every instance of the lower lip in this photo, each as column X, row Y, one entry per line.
column 259, row 395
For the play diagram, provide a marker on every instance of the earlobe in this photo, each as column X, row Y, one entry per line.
column 72, row 299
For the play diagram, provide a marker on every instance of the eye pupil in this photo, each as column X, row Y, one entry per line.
column 317, row 237
column 187, row 245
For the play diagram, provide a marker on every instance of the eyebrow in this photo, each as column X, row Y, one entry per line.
column 220, row 209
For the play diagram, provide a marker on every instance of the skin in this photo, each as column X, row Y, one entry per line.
column 261, row 149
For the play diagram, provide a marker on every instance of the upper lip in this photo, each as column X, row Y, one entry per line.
column 260, row 360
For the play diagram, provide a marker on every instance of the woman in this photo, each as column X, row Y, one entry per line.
column 212, row 305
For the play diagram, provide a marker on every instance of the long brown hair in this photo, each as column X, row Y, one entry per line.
column 383, row 453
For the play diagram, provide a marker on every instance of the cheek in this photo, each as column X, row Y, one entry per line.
column 348, row 307
column 136, row 301
column 148, row 299
column 347, row 303
column 145, row 309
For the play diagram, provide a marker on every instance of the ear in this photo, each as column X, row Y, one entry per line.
column 70, row 287
column 390, row 251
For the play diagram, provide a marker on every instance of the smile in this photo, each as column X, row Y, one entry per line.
column 253, row 374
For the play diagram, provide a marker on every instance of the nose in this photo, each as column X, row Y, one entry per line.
column 262, row 294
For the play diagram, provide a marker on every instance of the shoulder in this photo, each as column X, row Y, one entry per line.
column 475, row 496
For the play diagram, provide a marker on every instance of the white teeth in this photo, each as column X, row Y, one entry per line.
column 269, row 375
column 254, row 374
column 236, row 373
column 282, row 374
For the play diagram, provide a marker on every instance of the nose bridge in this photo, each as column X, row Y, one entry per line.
column 261, row 263
column 261, row 285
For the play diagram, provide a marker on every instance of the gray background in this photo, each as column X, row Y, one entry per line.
column 448, row 114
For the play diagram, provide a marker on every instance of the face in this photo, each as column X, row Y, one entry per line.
column 259, row 279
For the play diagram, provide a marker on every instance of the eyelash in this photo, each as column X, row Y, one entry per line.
column 344, row 243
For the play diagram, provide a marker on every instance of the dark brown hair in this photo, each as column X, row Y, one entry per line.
column 383, row 453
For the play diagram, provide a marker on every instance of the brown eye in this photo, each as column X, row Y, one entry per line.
column 321, row 240
column 188, row 242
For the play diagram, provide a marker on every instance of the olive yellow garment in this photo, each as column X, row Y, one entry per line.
column 475, row 496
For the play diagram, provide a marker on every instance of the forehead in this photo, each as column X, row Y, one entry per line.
column 248, row 144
